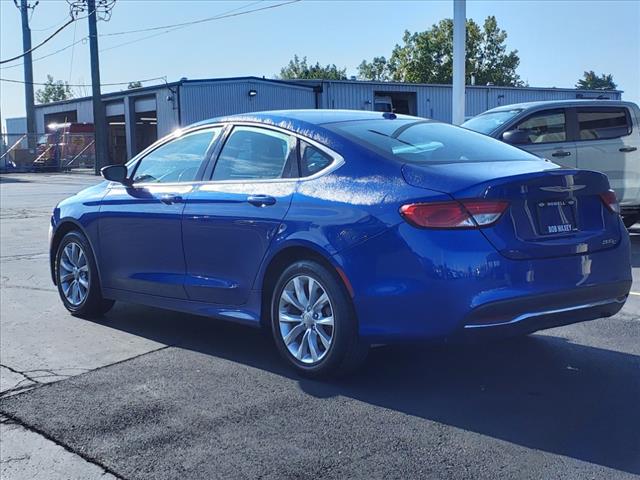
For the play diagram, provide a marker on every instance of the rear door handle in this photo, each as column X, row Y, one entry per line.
column 261, row 200
column 627, row 149
column 170, row 199
column 561, row 154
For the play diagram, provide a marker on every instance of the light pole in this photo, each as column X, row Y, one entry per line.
column 459, row 55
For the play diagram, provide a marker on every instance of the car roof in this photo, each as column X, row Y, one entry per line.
column 309, row 117
column 560, row 103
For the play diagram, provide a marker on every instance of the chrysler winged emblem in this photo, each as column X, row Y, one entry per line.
column 560, row 188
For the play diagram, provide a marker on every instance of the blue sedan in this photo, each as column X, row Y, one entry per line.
column 337, row 230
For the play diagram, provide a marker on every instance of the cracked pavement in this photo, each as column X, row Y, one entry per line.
column 150, row 394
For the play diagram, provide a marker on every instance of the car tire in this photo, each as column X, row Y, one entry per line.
column 77, row 277
column 317, row 336
column 630, row 220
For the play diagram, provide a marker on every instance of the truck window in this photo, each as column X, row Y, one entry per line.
column 597, row 123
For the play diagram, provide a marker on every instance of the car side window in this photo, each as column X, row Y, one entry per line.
column 601, row 123
column 252, row 153
column 548, row 126
column 176, row 161
column 312, row 159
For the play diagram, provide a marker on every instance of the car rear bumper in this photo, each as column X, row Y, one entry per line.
column 411, row 284
column 538, row 312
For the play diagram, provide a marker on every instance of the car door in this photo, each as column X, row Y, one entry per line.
column 606, row 144
column 140, row 224
column 230, row 221
column 546, row 136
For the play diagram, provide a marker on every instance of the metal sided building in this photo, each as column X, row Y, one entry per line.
column 138, row 117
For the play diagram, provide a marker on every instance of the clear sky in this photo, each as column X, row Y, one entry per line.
column 556, row 40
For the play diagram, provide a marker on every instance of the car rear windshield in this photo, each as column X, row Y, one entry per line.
column 426, row 142
column 488, row 122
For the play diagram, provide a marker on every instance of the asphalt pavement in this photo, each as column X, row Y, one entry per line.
column 149, row 394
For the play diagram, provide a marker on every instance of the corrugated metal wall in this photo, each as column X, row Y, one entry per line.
column 434, row 101
column 203, row 100
column 166, row 109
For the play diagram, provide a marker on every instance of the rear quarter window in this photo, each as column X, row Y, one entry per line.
column 427, row 142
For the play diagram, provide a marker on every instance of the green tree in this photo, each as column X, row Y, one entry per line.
column 133, row 85
column 300, row 69
column 53, row 91
column 591, row 81
column 379, row 69
column 427, row 57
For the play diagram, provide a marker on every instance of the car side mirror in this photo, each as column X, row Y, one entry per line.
column 115, row 173
column 516, row 137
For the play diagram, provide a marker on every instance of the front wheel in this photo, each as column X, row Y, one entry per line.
column 313, row 322
column 77, row 277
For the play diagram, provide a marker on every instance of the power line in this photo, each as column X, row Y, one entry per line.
column 82, row 40
column 10, row 80
column 44, row 29
column 168, row 29
column 227, row 14
column 40, row 44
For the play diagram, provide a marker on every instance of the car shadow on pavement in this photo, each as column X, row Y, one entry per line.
column 542, row 392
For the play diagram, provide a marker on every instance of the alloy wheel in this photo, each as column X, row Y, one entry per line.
column 73, row 273
column 305, row 317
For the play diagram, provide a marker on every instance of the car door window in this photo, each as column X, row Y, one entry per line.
column 549, row 126
column 176, row 161
column 312, row 160
column 601, row 123
column 252, row 153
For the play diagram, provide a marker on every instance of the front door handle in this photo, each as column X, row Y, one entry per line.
column 261, row 200
column 561, row 154
column 627, row 149
column 170, row 199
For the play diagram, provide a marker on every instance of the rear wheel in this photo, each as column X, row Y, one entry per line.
column 313, row 323
column 77, row 277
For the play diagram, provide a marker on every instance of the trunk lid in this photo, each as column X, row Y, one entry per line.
column 551, row 213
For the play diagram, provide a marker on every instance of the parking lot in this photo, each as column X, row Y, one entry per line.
column 144, row 393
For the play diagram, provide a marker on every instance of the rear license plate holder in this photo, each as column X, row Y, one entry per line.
column 556, row 217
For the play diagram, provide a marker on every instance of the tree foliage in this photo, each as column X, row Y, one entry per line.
column 53, row 91
column 427, row 57
column 591, row 81
column 300, row 69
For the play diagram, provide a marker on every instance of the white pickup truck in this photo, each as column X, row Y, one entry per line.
column 601, row 135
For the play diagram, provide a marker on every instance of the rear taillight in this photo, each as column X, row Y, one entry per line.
column 611, row 201
column 462, row 214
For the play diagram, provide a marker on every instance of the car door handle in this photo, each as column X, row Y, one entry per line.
column 627, row 149
column 261, row 200
column 561, row 154
column 170, row 199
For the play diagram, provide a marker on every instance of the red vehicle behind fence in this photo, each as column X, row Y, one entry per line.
column 65, row 146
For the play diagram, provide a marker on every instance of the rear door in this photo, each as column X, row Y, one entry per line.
column 607, row 143
column 230, row 221
column 548, row 136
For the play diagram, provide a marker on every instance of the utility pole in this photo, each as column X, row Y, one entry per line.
column 99, row 120
column 459, row 55
column 28, row 76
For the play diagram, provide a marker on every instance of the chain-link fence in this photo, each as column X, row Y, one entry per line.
column 49, row 152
